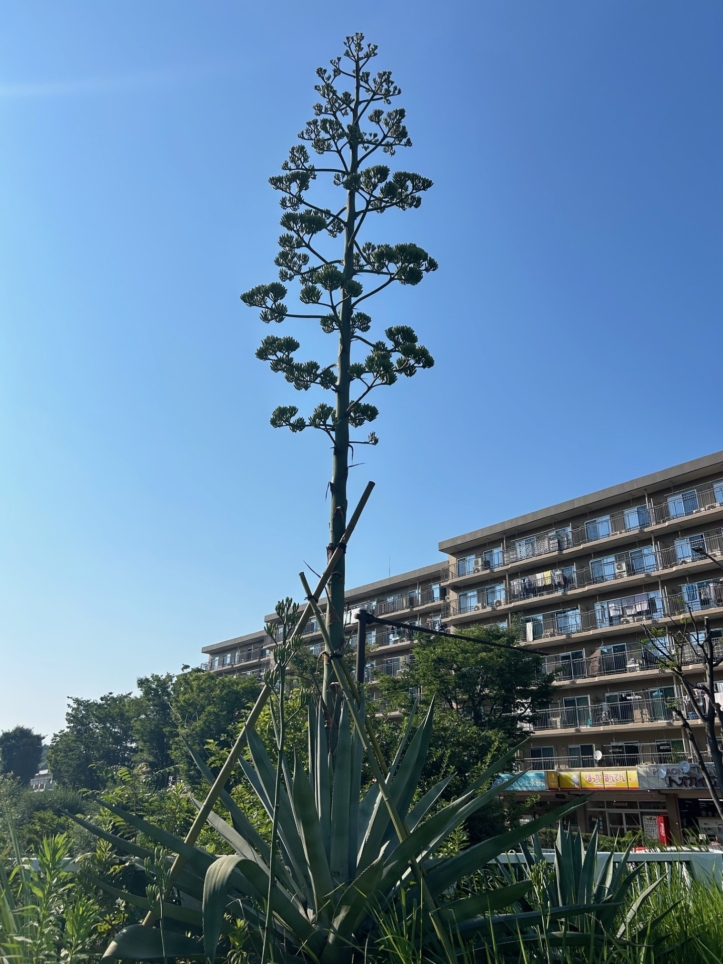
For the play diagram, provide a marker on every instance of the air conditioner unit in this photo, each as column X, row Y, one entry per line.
column 477, row 607
column 498, row 603
column 621, row 569
column 478, row 568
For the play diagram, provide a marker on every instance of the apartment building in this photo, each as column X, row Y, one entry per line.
column 578, row 582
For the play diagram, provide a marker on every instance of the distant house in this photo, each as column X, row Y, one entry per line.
column 43, row 780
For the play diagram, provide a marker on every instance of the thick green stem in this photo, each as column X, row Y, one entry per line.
column 340, row 464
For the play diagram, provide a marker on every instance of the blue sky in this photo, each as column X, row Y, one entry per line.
column 148, row 508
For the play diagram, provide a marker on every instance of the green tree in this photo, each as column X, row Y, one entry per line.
column 323, row 249
column 208, row 706
column 20, row 753
column 484, row 695
column 98, row 736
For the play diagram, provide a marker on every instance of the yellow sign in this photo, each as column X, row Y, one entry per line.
column 616, row 779
column 569, row 779
column 592, row 780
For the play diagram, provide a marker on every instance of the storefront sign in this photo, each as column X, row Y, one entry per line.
column 678, row 776
column 597, row 779
column 530, row 780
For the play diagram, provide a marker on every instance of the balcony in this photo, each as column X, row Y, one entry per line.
column 414, row 599
column 628, row 611
column 679, row 505
column 640, row 562
column 635, row 711
column 635, row 659
column 623, row 756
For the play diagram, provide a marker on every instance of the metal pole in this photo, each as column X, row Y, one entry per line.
column 361, row 646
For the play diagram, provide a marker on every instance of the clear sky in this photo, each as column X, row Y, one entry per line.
column 147, row 506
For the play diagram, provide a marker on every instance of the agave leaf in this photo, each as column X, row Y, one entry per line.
column 312, row 842
column 215, row 899
column 425, row 803
column 195, row 856
column 428, row 835
column 355, row 903
column 355, row 790
column 526, row 918
column 186, row 915
column 239, row 819
column 322, row 783
column 139, row 943
column 586, row 887
column 284, row 909
column 127, row 846
column 636, row 905
column 401, row 784
column 262, row 778
column 482, row 904
column 341, row 799
column 447, row 873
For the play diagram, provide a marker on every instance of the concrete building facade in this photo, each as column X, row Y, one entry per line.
column 578, row 582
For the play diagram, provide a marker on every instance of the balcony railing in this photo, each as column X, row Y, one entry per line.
column 409, row 600
column 636, row 562
column 628, row 610
column 647, row 753
column 638, row 709
column 676, row 506
column 633, row 660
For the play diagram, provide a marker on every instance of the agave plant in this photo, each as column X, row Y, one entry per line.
column 598, row 902
column 339, row 860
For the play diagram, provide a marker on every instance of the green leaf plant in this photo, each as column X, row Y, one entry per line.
column 339, row 855
column 324, row 251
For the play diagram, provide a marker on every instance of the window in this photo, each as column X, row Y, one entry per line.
column 682, row 503
column 702, row 595
column 214, row 662
column 467, row 601
column 492, row 558
column 315, row 649
column 563, row 537
column 435, row 592
column 568, row 621
column 576, row 711
column 598, row 528
column 643, row 559
column 226, row 659
column 525, row 547
column 669, row 751
column 637, row 518
column 581, row 755
column 613, row 659
column 685, row 548
column 465, row 566
column 718, row 492
column 543, row 757
column 571, row 665
column 625, row 754
column 620, row 706
column 602, row 570
column 493, row 594
column 660, row 700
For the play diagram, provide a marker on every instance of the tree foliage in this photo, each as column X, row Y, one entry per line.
column 124, row 730
column 20, row 753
